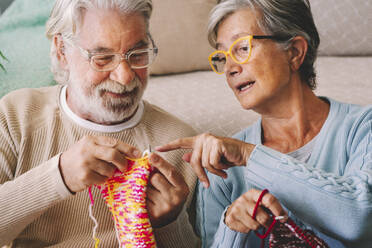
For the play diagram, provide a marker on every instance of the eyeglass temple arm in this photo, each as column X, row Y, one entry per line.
column 272, row 37
column 84, row 52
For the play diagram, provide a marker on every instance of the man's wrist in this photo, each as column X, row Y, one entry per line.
column 62, row 176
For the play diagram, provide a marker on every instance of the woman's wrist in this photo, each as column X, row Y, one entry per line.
column 247, row 151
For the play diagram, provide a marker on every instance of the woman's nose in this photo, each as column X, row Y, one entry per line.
column 231, row 67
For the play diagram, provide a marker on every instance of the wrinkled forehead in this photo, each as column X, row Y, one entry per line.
column 111, row 26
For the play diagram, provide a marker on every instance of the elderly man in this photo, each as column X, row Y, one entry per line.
column 55, row 142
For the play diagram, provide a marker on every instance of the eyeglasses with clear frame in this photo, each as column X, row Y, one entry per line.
column 136, row 58
column 240, row 51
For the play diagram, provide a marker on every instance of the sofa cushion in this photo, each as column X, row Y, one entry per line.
column 344, row 26
column 179, row 30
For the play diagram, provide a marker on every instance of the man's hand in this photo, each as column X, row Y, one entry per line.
column 213, row 153
column 239, row 215
column 166, row 193
column 92, row 160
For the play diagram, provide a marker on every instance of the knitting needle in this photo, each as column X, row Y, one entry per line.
column 147, row 151
column 281, row 218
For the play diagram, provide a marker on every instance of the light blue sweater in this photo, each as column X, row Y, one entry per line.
column 330, row 194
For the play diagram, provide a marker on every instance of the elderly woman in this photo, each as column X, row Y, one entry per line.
column 313, row 154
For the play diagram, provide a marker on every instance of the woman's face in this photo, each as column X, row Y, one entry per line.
column 265, row 78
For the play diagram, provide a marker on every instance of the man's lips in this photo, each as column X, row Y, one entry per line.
column 245, row 86
column 121, row 95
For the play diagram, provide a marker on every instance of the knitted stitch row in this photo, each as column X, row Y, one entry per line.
column 287, row 234
column 125, row 196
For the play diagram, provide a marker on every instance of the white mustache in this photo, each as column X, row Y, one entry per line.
column 115, row 87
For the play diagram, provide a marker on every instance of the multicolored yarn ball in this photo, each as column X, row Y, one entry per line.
column 125, row 196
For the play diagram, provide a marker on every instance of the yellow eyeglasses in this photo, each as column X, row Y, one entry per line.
column 240, row 51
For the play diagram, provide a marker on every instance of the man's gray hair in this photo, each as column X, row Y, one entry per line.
column 285, row 18
column 67, row 15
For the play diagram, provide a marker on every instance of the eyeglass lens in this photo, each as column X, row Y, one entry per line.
column 240, row 52
column 136, row 59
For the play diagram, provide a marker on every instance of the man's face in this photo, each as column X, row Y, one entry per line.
column 112, row 96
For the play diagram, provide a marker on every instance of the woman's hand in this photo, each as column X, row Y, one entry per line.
column 213, row 153
column 239, row 218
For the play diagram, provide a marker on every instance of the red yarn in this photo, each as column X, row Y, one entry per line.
column 264, row 235
column 288, row 234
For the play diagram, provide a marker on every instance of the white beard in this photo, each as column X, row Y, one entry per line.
column 100, row 107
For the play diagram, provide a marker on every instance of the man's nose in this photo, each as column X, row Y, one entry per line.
column 123, row 73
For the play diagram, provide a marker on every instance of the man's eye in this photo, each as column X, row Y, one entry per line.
column 138, row 56
column 103, row 60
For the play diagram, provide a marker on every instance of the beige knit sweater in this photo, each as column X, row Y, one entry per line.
column 36, row 208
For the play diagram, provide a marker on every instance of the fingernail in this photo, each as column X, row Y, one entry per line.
column 136, row 153
column 154, row 158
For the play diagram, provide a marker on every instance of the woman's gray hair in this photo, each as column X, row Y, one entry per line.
column 67, row 15
column 284, row 18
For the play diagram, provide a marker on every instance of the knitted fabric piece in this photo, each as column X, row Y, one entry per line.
column 287, row 235
column 125, row 195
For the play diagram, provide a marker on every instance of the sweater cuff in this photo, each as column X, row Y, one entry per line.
column 264, row 164
column 61, row 187
column 171, row 227
column 178, row 233
column 225, row 237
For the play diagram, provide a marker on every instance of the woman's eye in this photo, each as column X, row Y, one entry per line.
column 244, row 49
column 219, row 59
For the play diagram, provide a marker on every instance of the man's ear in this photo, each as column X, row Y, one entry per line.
column 298, row 51
column 60, row 50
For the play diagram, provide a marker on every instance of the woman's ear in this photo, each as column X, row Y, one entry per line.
column 60, row 50
column 298, row 51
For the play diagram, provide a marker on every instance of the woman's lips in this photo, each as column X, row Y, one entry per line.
column 245, row 86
